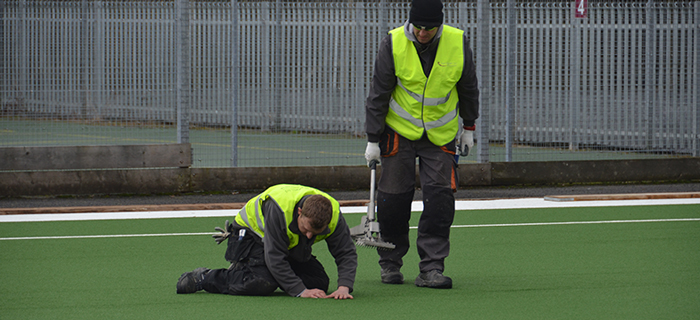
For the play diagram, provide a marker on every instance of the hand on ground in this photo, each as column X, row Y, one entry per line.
column 341, row 294
column 313, row 293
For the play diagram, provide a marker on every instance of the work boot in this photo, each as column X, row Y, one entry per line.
column 392, row 276
column 191, row 282
column 433, row 279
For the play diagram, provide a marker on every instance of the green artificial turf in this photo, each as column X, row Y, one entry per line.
column 648, row 270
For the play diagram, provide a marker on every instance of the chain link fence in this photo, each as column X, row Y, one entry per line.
column 283, row 83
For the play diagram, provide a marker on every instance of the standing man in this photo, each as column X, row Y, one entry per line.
column 269, row 246
column 424, row 81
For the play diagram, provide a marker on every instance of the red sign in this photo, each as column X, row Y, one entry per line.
column 581, row 9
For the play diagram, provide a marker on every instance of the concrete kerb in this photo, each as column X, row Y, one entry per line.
column 254, row 179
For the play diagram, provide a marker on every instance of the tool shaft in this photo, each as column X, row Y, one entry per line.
column 373, row 177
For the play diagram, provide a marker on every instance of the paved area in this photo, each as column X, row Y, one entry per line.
column 465, row 193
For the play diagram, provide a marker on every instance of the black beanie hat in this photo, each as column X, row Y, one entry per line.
column 426, row 13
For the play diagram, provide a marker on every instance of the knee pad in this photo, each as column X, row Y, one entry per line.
column 394, row 212
column 438, row 210
column 258, row 286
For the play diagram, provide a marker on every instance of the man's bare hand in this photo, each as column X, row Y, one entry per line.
column 313, row 293
column 342, row 293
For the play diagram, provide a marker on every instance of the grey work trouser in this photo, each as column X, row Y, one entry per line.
column 437, row 170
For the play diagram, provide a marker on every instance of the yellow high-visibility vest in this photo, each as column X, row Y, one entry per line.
column 286, row 196
column 421, row 103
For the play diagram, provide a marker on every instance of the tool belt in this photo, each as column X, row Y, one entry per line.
column 244, row 247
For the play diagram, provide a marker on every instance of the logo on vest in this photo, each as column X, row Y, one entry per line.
column 446, row 64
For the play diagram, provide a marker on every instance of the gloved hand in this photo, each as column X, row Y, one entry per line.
column 372, row 152
column 466, row 141
column 220, row 237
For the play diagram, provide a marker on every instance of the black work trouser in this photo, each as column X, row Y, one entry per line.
column 437, row 170
column 248, row 274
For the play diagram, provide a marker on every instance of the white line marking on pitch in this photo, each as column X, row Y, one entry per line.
column 416, row 206
column 455, row 226
column 570, row 223
column 109, row 236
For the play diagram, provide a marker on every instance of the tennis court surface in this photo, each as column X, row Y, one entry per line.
column 510, row 259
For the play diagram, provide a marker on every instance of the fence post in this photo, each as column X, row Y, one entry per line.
column 650, row 81
column 83, row 49
column 277, row 66
column 5, row 66
column 266, row 79
column 360, row 44
column 696, row 89
column 98, row 83
column 575, row 89
column 235, row 43
column 182, row 43
column 510, row 77
column 23, row 54
column 383, row 23
column 483, row 74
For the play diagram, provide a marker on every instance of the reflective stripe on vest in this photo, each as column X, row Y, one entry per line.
column 414, row 92
column 286, row 197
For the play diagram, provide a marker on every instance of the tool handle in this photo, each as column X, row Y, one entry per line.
column 373, row 175
column 373, row 164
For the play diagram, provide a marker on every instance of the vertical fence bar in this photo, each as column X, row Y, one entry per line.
column 483, row 74
column 182, row 47
column 510, row 77
column 235, row 43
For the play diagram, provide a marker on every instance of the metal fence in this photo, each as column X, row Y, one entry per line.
column 253, row 83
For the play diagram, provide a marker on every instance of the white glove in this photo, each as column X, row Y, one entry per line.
column 224, row 234
column 372, row 152
column 466, row 142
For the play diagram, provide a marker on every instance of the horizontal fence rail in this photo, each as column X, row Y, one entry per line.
column 624, row 78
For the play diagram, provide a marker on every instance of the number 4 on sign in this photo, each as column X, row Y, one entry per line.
column 581, row 8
